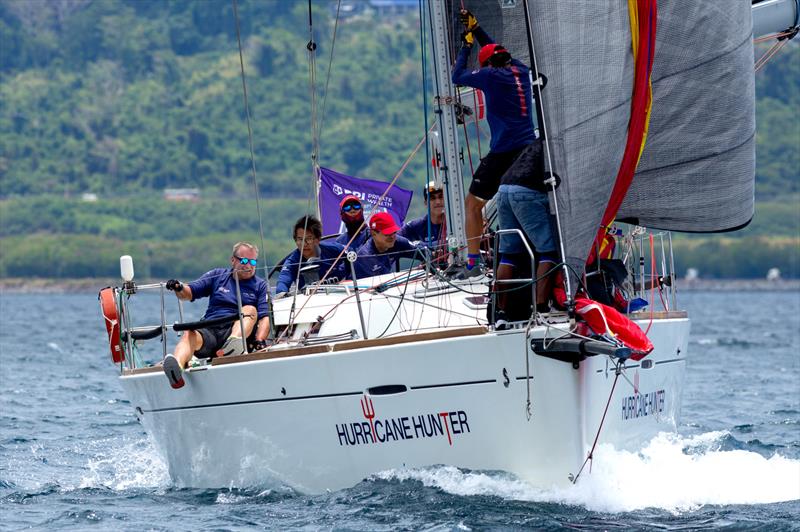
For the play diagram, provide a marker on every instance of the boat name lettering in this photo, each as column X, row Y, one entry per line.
column 374, row 431
column 643, row 404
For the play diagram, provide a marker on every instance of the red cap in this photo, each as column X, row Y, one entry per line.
column 383, row 222
column 347, row 198
column 488, row 51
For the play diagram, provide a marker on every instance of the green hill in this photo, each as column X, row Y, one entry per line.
column 124, row 98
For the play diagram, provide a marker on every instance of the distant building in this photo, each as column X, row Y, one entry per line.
column 391, row 7
column 182, row 194
column 89, row 197
column 351, row 8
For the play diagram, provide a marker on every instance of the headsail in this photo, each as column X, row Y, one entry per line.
column 697, row 172
column 697, row 169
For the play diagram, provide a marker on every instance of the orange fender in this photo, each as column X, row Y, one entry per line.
column 111, row 318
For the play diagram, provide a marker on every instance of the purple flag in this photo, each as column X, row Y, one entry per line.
column 334, row 186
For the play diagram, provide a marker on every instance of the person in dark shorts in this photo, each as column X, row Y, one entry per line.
column 219, row 285
column 506, row 86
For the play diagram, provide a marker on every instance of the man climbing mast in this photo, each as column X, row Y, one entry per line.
column 505, row 84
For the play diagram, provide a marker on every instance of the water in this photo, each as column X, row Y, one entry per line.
column 72, row 455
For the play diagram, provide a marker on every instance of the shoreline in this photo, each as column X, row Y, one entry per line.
column 94, row 285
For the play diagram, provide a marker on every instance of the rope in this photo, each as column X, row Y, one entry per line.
column 774, row 49
column 602, row 420
column 253, row 161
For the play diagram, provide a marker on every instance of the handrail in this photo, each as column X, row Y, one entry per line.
column 532, row 280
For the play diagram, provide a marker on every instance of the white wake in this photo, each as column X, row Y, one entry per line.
column 672, row 472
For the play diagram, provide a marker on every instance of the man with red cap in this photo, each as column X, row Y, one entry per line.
column 505, row 84
column 352, row 212
column 384, row 249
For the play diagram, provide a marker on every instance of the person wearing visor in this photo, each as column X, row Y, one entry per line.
column 506, row 86
column 382, row 252
column 219, row 285
column 352, row 213
column 307, row 233
column 417, row 230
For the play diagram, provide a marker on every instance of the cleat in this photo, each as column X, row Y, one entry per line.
column 234, row 345
column 173, row 371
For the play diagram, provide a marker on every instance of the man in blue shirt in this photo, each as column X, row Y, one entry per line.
column 417, row 230
column 307, row 234
column 506, row 87
column 384, row 249
column 219, row 285
column 352, row 212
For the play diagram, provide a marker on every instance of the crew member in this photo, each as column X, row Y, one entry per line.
column 219, row 285
column 307, row 234
column 352, row 212
column 505, row 84
column 381, row 253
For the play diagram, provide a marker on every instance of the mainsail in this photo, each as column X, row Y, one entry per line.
column 697, row 169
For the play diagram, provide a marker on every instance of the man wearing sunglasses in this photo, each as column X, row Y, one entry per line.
column 219, row 285
column 352, row 213
column 307, row 234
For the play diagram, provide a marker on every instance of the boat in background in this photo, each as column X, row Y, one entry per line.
column 406, row 370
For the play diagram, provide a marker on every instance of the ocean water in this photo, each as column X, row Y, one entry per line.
column 73, row 456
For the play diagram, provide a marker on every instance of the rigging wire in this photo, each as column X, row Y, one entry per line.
column 328, row 76
column 546, row 138
column 253, row 162
column 590, row 456
column 428, row 161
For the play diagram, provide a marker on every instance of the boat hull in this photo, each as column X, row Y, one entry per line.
column 327, row 420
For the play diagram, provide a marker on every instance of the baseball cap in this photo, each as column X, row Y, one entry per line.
column 348, row 199
column 383, row 222
column 432, row 186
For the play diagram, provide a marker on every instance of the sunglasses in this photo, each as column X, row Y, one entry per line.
column 351, row 207
column 242, row 260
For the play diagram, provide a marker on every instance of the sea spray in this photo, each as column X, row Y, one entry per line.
column 671, row 472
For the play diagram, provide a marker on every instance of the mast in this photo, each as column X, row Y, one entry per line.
column 444, row 101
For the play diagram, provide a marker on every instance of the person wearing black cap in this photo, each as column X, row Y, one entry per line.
column 505, row 84
column 352, row 212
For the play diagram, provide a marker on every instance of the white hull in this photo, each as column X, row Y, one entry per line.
column 300, row 420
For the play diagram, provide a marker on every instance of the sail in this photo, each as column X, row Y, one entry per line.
column 697, row 172
column 697, row 169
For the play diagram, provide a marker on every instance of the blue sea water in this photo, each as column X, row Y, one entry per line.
column 73, row 456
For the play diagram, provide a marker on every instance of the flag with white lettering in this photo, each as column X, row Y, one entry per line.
column 333, row 187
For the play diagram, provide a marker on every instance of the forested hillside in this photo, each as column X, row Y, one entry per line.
column 124, row 98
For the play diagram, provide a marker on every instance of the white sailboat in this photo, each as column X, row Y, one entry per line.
column 412, row 374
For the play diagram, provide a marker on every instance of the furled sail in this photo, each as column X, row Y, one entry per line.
column 697, row 169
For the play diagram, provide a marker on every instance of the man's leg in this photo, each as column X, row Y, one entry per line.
column 190, row 342
column 474, row 228
column 505, row 272
column 234, row 345
column 544, row 286
column 174, row 364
